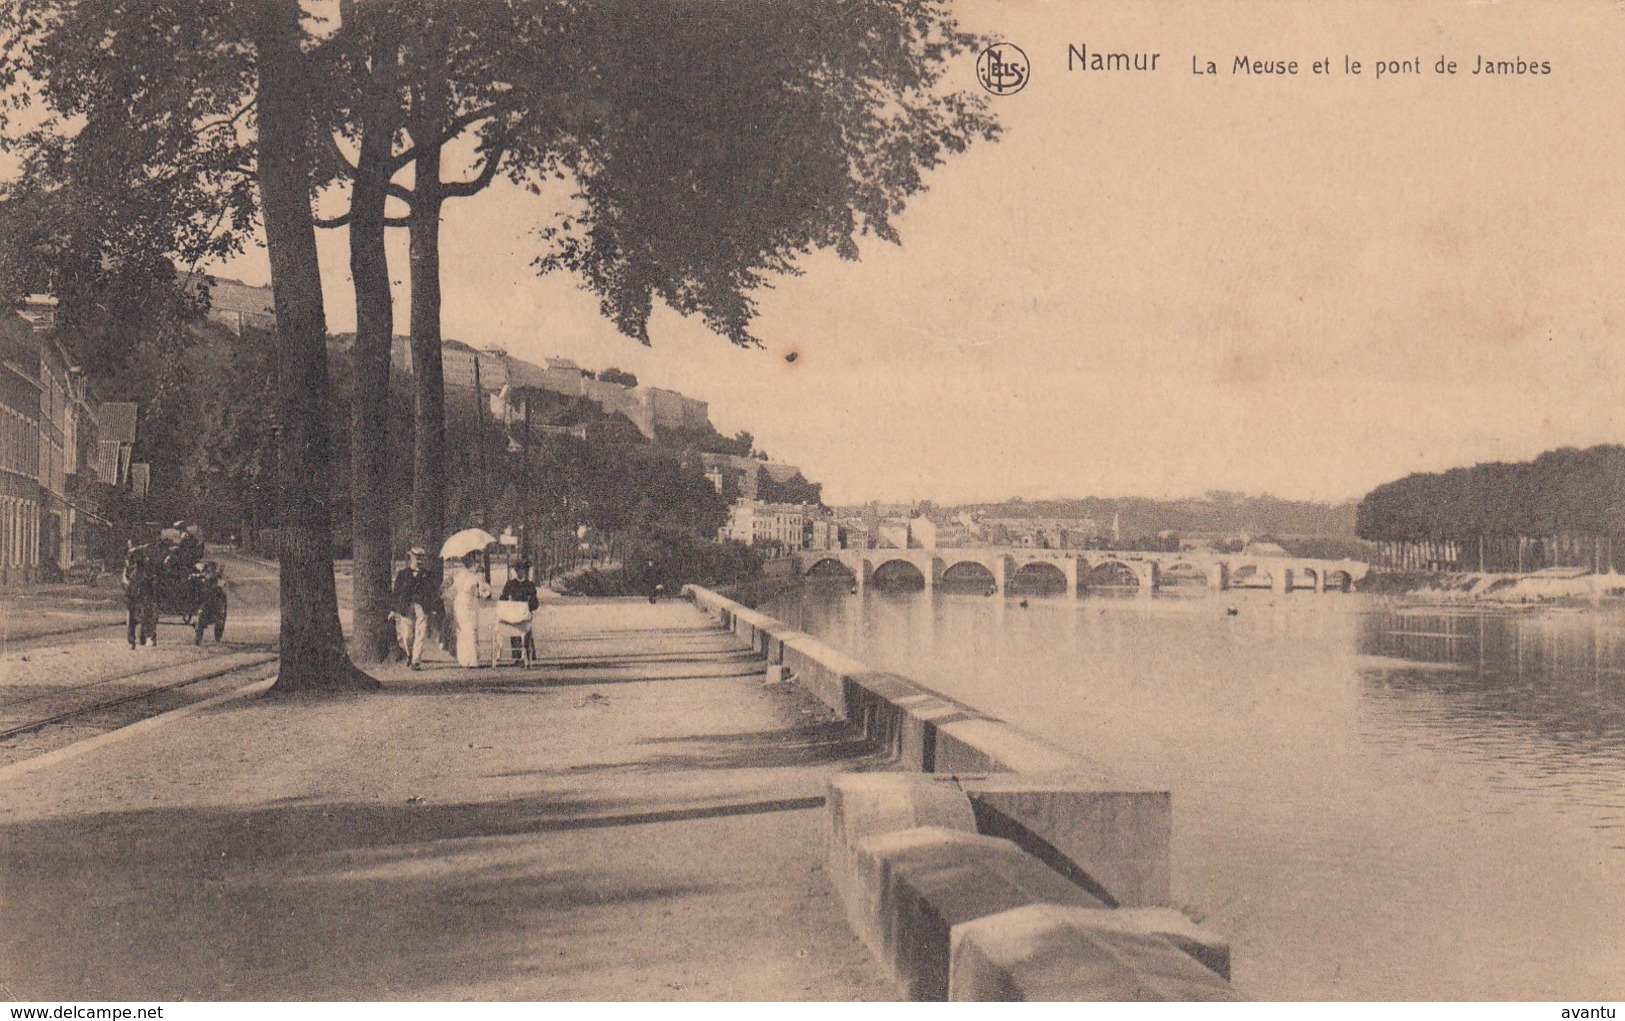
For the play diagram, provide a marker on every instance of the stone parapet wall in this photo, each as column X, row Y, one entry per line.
column 994, row 865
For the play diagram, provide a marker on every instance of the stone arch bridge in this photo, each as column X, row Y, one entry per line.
column 999, row 568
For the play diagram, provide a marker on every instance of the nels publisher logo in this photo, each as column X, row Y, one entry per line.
column 1003, row 69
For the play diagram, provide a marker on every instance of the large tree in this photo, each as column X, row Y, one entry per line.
column 312, row 644
column 362, row 63
column 460, row 63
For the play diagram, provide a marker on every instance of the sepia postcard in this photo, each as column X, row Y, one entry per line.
column 827, row 501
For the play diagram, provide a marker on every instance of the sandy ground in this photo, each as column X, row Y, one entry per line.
column 639, row 818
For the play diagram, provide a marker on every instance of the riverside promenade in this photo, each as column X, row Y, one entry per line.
column 638, row 818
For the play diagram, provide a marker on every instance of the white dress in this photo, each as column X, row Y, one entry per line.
column 467, row 589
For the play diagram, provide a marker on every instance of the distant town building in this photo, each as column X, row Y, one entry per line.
column 741, row 476
column 907, row 532
column 825, row 534
column 855, row 533
column 922, row 533
column 1040, row 533
column 756, row 523
column 893, row 534
column 51, row 449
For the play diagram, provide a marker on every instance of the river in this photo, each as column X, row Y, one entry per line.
column 1371, row 801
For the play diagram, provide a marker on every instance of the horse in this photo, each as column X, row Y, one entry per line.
column 141, row 578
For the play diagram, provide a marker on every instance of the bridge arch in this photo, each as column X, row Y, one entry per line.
column 1339, row 581
column 1250, row 576
column 832, row 568
column 1113, row 574
column 968, row 576
column 898, row 574
column 1038, row 578
column 1183, row 573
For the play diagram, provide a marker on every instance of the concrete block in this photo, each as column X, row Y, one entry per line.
column 821, row 670
column 1042, row 952
column 1117, row 835
column 981, row 745
column 776, row 674
column 800, row 655
column 861, row 879
column 926, row 715
column 871, row 702
column 1205, row 947
column 918, row 884
column 861, row 806
column 778, row 638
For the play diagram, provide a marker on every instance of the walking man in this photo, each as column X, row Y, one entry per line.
column 409, row 604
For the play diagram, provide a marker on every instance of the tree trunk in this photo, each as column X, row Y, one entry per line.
column 371, row 638
column 429, row 406
column 312, row 643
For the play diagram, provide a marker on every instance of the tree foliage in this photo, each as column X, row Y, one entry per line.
column 795, row 489
column 1562, row 492
column 132, row 124
column 713, row 145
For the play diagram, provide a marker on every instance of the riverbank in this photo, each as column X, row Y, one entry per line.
column 1559, row 586
column 637, row 819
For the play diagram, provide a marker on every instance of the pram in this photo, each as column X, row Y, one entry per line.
column 513, row 643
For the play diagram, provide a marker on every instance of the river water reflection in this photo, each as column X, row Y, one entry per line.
column 1371, row 801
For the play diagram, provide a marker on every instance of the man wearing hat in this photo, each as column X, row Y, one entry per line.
column 409, row 605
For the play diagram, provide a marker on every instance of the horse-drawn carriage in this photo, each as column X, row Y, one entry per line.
column 173, row 580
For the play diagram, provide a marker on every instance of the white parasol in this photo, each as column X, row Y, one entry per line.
column 469, row 540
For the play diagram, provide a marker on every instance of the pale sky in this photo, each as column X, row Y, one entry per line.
column 1160, row 283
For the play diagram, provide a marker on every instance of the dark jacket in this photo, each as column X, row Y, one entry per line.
column 412, row 587
column 520, row 590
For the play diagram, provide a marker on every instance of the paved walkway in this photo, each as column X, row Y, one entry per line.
column 638, row 818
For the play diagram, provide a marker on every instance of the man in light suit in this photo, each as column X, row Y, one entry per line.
column 410, row 600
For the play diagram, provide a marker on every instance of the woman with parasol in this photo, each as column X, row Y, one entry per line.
column 467, row 589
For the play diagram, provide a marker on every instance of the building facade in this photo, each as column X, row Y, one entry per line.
column 20, row 448
column 51, row 449
column 783, row 525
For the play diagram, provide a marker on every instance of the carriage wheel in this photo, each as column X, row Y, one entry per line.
column 220, row 621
